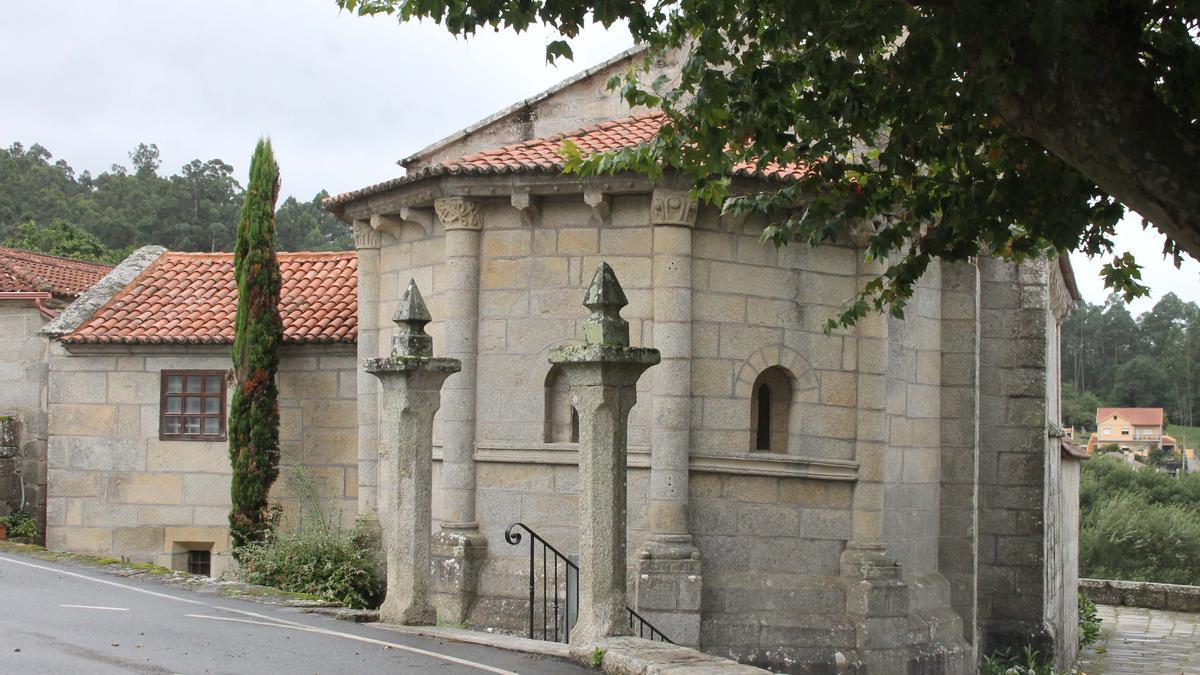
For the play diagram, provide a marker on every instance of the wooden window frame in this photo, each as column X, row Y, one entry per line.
column 163, row 415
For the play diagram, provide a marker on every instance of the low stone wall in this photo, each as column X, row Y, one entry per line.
column 1142, row 594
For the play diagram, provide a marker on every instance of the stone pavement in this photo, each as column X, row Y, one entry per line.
column 1138, row 640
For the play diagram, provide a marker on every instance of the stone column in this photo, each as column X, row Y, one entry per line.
column 411, row 381
column 367, row 240
column 603, row 374
column 877, row 597
column 669, row 581
column 459, row 548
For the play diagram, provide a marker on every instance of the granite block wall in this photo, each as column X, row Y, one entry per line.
column 116, row 489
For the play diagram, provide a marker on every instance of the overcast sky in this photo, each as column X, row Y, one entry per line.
column 342, row 97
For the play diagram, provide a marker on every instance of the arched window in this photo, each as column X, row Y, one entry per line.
column 562, row 421
column 771, row 401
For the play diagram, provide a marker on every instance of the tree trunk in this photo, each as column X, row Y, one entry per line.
column 1105, row 119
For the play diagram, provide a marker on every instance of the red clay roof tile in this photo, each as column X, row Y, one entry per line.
column 1138, row 416
column 25, row 272
column 191, row 298
column 544, row 154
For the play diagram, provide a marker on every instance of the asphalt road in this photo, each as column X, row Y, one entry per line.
column 64, row 618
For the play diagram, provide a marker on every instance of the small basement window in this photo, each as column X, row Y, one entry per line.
column 192, row 406
column 199, row 562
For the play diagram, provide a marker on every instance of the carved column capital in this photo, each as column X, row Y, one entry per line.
column 673, row 207
column 365, row 236
column 457, row 213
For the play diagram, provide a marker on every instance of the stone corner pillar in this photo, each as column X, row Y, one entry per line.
column 367, row 241
column 459, row 548
column 411, row 382
column 603, row 374
column 669, row 581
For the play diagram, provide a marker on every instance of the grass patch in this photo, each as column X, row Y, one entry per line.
column 1188, row 437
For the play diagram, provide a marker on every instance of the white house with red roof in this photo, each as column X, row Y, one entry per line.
column 33, row 288
column 1135, row 430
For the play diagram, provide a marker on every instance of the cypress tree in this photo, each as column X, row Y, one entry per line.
column 258, row 331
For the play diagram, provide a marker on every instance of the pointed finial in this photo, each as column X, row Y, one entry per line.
column 605, row 298
column 411, row 316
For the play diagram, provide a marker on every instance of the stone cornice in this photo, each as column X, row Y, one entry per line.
column 743, row 464
column 457, row 213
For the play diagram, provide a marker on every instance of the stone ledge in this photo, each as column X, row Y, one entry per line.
column 635, row 656
column 746, row 464
column 781, row 466
column 557, row 454
column 1145, row 594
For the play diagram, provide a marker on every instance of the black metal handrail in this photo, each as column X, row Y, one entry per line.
column 644, row 627
column 513, row 537
column 561, row 621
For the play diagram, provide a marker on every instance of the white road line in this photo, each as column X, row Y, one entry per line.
column 284, row 623
column 103, row 581
column 280, row 623
column 111, row 609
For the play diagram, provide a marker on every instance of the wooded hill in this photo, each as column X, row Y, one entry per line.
column 1111, row 358
column 46, row 206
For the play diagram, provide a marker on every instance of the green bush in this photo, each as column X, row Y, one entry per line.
column 20, row 524
column 336, row 565
column 1004, row 662
column 1089, row 622
column 1126, row 535
column 315, row 557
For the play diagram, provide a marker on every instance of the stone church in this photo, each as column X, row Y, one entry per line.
column 895, row 497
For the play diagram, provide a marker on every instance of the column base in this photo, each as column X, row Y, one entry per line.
column 668, row 589
column 902, row 625
column 408, row 613
column 458, row 557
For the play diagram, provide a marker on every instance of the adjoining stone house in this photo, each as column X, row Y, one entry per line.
column 33, row 288
column 897, row 493
column 139, row 377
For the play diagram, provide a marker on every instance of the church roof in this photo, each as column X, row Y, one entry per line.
column 545, row 155
column 28, row 272
column 191, row 298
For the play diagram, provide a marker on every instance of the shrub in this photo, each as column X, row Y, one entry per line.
column 337, row 565
column 20, row 524
column 1004, row 662
column 1126, row 535
column 317, row 557
column 1089, row 622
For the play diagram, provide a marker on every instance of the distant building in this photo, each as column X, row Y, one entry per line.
column 1136, row 430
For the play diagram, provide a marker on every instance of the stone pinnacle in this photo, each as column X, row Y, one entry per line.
column 605, row 298
column 411, row 316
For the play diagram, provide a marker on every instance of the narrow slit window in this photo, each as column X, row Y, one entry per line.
column 562, row 421
column 763, row 439
column 770, row 410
